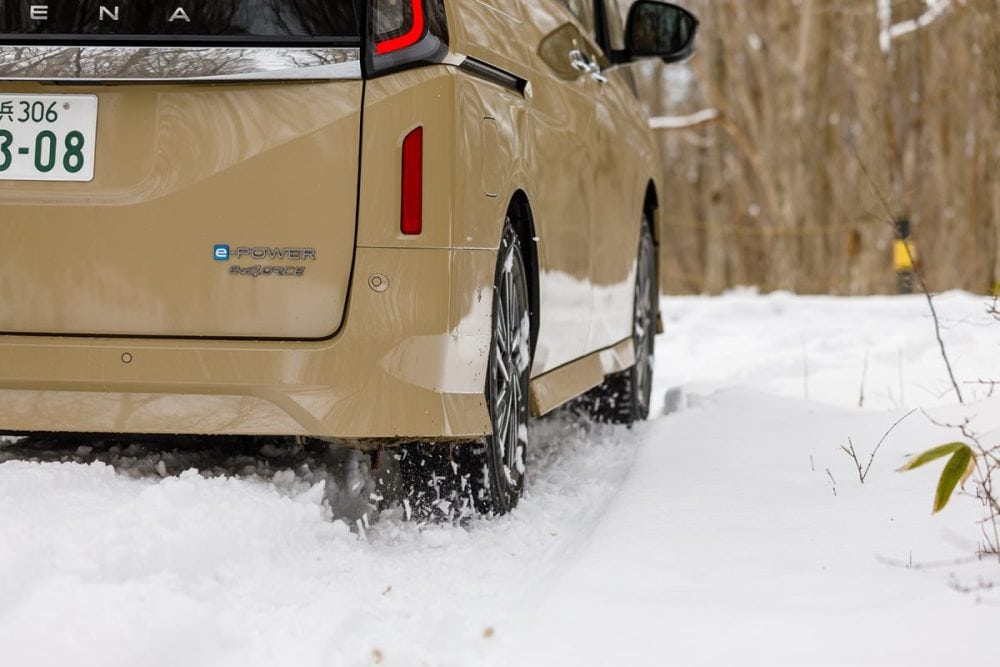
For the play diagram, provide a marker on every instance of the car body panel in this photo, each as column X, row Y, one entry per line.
column 556, row 388
column 562, row 158
column 623, row 173
column 590, row 151
column 491, row 31
column 554, row 159
column 180, row 169
column 408, row 363
column 385, row 338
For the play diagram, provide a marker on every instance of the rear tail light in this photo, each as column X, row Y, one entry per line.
column 399, row 24
column 404, row 33
column 411, row 222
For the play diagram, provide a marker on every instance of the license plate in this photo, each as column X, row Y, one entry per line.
column 47, row 137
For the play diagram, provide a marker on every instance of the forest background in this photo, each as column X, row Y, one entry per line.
column 802, row 129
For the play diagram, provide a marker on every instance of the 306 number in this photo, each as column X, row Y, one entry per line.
column 37, row 112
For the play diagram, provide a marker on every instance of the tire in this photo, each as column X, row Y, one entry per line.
column 496, row 465
column 623, row 398
column 487, row 476
column 428, row 483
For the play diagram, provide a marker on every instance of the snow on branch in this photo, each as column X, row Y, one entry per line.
column 703, row 117
column 890, row 31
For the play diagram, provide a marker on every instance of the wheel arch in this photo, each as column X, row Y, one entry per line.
column 651, row 215
column 521, row 218
column 650, row 208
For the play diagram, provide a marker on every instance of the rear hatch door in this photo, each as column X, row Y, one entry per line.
column 178, row 178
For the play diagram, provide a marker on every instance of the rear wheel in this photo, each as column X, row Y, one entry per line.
column 496, row 464
column 623, row 398
column 489, row 474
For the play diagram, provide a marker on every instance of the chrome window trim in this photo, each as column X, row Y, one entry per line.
column 168, row 64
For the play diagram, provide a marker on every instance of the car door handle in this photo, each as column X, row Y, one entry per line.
column 579, row 61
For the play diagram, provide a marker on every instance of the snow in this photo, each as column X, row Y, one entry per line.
column 696, row 119
column 890, row 31
column 708, row 536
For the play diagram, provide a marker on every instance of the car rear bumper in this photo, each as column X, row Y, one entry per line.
column 408, row 363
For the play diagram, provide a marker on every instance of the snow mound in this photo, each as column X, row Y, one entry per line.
column 731, row 529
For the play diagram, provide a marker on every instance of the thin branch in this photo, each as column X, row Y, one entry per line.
column 981, row 586
column 990, row 384
column 852, row 452
column 929, row 565
column 919, row 275
column 697, row 119
column 935, row 10
column 886, row 435
column 885, row 25
column 854, row 457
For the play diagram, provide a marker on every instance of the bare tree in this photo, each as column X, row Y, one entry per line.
column 768, row 191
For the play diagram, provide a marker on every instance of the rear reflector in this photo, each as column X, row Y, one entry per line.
column 406, row 19
column 412, row 215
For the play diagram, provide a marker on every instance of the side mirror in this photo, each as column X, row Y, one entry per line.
column 660, row 30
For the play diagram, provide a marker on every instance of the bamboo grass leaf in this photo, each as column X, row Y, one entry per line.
column 953, row 472
column 932, row 455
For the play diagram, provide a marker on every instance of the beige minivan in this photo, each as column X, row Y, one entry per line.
column 379, row 222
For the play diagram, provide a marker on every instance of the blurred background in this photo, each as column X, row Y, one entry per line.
column 769, row 131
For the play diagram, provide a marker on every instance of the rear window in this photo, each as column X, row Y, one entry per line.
column 179, row 21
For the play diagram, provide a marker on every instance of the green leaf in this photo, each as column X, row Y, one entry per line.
column 954, row 470
column 968, row 471
column 932, row 455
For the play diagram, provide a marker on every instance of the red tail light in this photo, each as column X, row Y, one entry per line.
column 399, row 24
column 404, row 34
column 412, row 210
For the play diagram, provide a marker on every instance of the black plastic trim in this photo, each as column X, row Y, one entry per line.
column 494, row 74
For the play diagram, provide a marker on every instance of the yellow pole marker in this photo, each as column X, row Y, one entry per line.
column 904, row 257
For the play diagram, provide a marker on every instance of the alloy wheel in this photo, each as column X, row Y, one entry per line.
column 644, row 323
column 509, row 367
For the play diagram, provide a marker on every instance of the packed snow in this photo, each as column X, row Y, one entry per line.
column 729, row 530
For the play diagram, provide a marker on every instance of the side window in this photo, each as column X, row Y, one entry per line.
column 583, row 10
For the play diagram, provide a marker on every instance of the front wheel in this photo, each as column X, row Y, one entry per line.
column 623, row 398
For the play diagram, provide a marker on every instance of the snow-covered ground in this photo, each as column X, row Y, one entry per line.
column 730, row 530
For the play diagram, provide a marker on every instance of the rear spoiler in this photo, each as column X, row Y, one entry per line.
column 166, row 64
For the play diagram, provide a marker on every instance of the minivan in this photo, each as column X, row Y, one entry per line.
column 375, row 222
